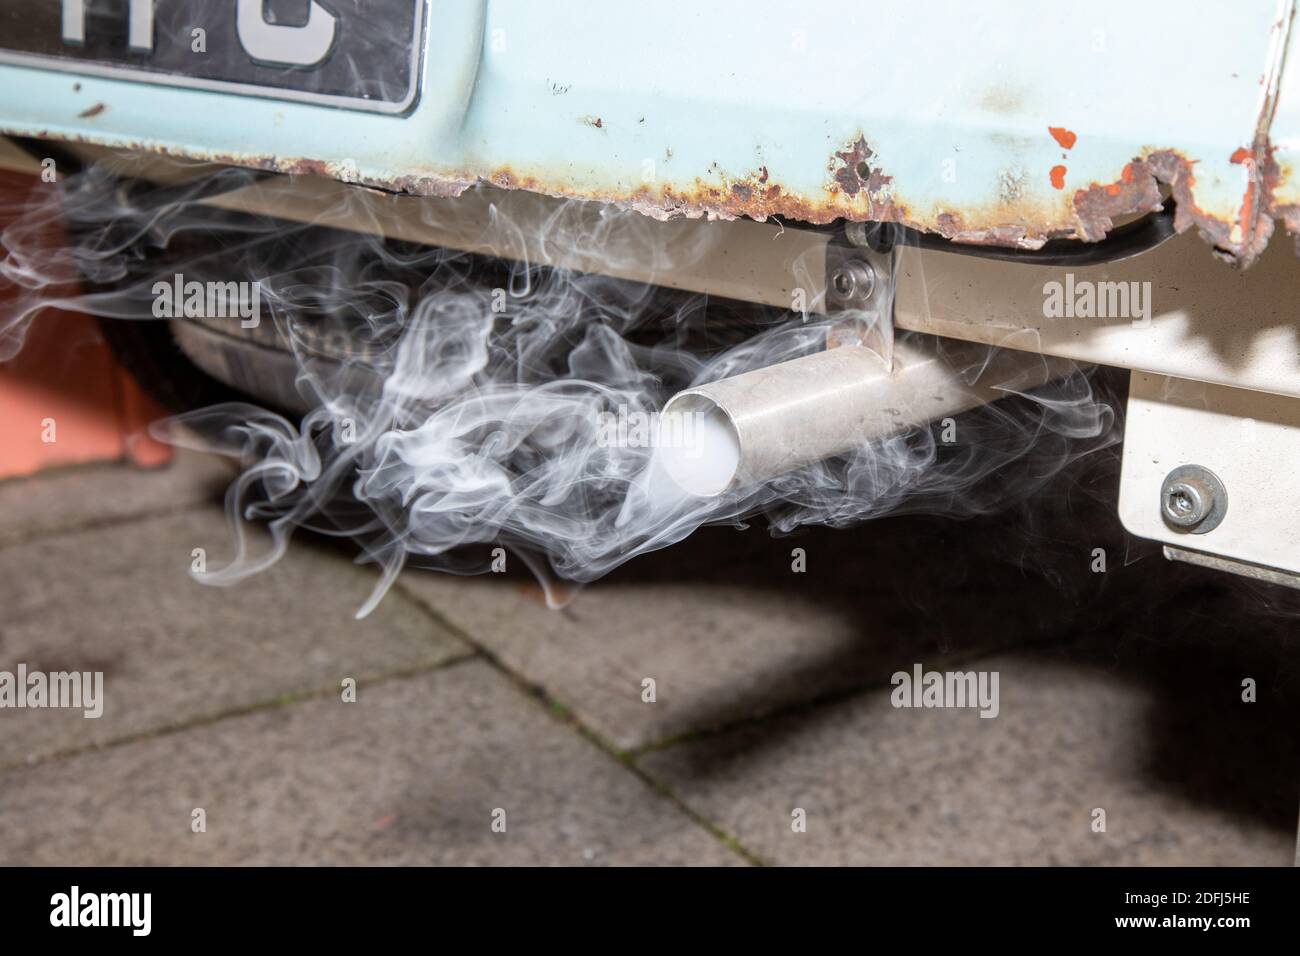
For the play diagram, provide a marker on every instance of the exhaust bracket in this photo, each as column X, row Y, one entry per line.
column 860, row 297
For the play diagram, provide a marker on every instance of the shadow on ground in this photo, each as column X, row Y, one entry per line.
column 1027, row 582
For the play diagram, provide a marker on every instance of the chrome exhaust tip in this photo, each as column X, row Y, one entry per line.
column 737, row 432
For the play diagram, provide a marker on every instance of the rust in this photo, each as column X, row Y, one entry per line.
column 855, row 172
column 92, row 111
column 750, row 195
column 858, row 188
column 1253, row 225
column 308, row 167
column 1098, row 206
column 1240, row 241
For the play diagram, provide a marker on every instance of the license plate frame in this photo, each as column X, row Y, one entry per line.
column 361, row 43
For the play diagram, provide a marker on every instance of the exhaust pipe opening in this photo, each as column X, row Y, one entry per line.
column 699, row 445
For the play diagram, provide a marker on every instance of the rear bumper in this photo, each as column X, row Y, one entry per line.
column 1005, row 123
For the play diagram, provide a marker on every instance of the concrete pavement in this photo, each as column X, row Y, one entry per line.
column 487, row 728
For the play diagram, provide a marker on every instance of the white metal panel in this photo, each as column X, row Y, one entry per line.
column 1250, row 440
column 743, row 108
column 1209, row 321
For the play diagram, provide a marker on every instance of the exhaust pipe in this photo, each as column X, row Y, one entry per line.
column 752, row 427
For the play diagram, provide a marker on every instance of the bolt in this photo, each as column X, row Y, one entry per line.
column 854, row 281
column 1193, row 499
column 1187, row 503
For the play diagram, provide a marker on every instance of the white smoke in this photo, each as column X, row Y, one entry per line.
column 449, row 404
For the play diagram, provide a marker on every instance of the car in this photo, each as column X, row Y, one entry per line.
column 414, row 254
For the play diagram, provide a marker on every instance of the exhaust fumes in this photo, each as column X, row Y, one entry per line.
column 434, row 404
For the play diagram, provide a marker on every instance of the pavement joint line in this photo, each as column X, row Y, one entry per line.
column 99, row 524
column 562, row 713
column 261, row 706
column 798, row 707
column 455, row 634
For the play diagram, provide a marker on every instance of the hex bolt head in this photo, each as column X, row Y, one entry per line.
column 1192, row 499
column 854, row 281
column 1187, row 502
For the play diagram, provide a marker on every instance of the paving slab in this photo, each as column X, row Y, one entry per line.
column 727, row 629
column 1184, row 776
column 119, row 600
column 69, row 498
column 411, row 773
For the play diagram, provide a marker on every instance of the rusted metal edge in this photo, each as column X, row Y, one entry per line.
column 857, row 187
column 859, row 190
column 1239, row 240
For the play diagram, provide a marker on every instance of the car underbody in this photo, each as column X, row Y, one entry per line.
column 961, row 224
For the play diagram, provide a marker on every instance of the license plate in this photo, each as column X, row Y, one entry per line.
column 355, row 54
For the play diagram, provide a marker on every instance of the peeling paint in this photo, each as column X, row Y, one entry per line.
column 1063, row 136
column 1011, row 159
column 858, row 188
column 1011, row 185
